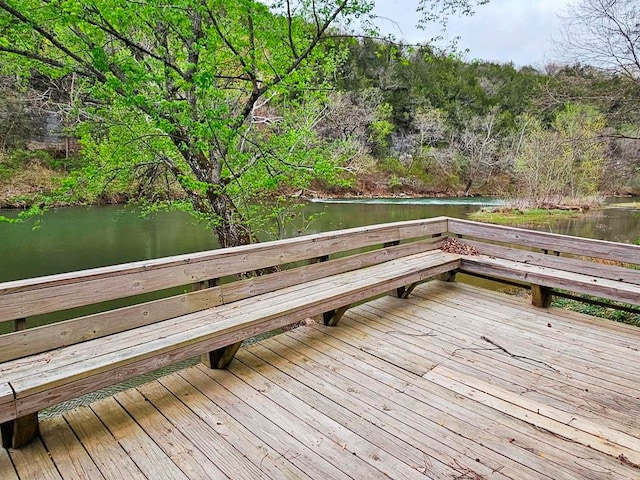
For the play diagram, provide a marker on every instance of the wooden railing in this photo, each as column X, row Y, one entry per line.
column 24, row 298
column 215, row 303
column 44, row 365
column 548, row 261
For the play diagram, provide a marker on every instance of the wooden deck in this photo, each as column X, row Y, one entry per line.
column 454, row 383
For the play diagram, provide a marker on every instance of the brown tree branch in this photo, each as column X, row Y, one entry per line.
column 290, row 28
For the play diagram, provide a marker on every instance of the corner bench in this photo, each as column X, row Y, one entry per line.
column 45, row 365
column 614, row 275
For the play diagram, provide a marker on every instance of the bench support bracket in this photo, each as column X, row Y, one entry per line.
column 540, row 296
column 332, row 317
column 20, row 431
column 221, row 358
column 404, row 292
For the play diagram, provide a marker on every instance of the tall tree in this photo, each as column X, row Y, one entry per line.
column 194, row 90
column 197, row 74
column 604, row 35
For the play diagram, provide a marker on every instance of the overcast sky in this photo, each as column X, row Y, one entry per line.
column 518, row 31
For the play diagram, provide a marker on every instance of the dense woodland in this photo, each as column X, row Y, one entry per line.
column 335, row 114
column 406, row 119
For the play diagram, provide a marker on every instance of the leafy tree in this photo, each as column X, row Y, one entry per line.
column 185, row 88
column 216, row 99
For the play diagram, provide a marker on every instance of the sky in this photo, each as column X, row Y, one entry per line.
column 525, row 32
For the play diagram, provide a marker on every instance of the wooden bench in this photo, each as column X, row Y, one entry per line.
column 547, row 261
column 46, row 365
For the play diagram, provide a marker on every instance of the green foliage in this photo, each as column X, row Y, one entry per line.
column 14, row 162
column 205, row 96
column 525, row 217
column 608, row 313
column 394, row 182
column 33, row 212
column 391, row 166
column 211, row 106
column 381, row 129
column 278, row 217
column 419, row 169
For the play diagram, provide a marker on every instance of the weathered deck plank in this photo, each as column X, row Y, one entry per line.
column 499, row 435
column 66, row 451
column 238, row 435
column 400, row 418
column 7, row 471
column 134, row 440
column 523, row 330
column 507, row 371
column 33, row 461
column 103, row 449
column 230, row 462
column 172, row 441
column 401, row 389
column 344, row 400
column 376, row 451
column 328, row 440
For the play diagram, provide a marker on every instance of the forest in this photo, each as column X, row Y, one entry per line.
column 222, row 110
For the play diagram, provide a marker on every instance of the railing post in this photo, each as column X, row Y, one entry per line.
column 400, row 291
column 540, row 296
column 213, row 282
column 220, row 358
column 22, row 430
column 448, row 277
column 19, row 324
column 325, row 317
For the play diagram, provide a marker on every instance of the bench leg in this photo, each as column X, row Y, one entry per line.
column 448, row 276
column 221, row 358
column 540, row 296
column 331, row 318
column 404, row 292
column 19, row 432
column 398, row 292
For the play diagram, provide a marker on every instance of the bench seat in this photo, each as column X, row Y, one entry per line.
column 551, row 277
column 51, row 377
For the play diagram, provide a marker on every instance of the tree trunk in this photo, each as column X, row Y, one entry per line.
column 231, row 228
column 233, row 231
column 467, row 187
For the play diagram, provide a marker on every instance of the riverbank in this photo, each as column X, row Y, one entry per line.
column 526, row 217
column 21, row 188
column 36, row 180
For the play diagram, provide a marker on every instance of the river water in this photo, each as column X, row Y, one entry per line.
column 78, row 238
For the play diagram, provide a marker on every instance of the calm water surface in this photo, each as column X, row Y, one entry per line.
column 78, row 238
